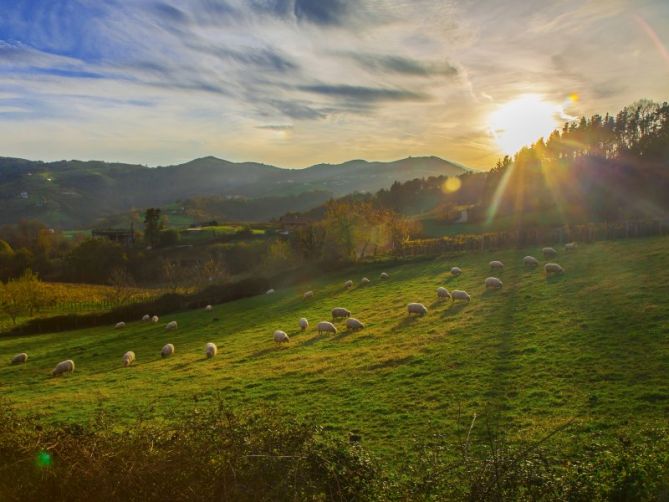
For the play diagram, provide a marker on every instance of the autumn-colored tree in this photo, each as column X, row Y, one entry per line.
column 24, row 295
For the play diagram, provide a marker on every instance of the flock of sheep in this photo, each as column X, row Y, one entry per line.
column 493, row 283
column 327, row 327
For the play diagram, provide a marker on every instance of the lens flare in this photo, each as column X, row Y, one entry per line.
column 44, row 459
column 452, row 184
column 654, row 37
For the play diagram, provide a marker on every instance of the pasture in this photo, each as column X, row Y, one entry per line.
column 591, row 345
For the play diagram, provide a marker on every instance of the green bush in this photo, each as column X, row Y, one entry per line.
column 204, row 455
column 213, row 453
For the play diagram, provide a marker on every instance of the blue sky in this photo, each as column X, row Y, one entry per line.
column 296, row 82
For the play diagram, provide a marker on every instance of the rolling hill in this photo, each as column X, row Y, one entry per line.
column 591, row 345
column 70, row 194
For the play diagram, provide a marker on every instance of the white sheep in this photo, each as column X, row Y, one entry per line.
column 570, row 246
column 456, row 271
column 443, row 293
column 209, row 308
column 172, row 325
column 353, row 324
column 308, row 294
column 119, row 325
column 304, row 324
column 530, row 262
column 416, row 308
column 553, row 268
column 496, row 265
column 364, row 281
column 493, row 283
column 326, row 327
column 269, row 291
column 384, row 276
column 339, row 312
column 210, row 350
column 458, row 294
column 348, row 284
column 63, row 367
column 146, row 317
column 549, row 252
column 281, row 336
column 155, row 319
column 128, row 358
column 20, row 358
column 167, row 350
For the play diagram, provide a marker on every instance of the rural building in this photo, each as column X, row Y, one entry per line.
column 125, row 237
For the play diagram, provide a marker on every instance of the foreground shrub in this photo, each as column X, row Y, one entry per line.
column 215, row 454
column 212, row 455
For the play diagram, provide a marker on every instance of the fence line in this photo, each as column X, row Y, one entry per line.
column 536, row 236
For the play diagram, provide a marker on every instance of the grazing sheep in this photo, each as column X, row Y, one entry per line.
column 20, row 358
column 570, row 246
column 304, row 324
column 353, row 324
column 281, row 336
column 530, row 262
column 63, row 367
column 155, row 319
column 496, row 265
column 209, row 308
column 339, row 312
column 146, row 317
column 460, row 295
column 269, row 291
column 384, row 276
column 364, row 281
column 493, row 283
column 456, row 271
column 210, row 350
column 119, row 325
column 443, row 293
column 549, row 252
column 348, row 284
column 553, row 268
column 308, row 294
column 326, row 327
column 128, row 358
column 416, row 308
column 171, row 326
column 167, row 350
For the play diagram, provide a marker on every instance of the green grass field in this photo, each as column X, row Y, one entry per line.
column 434, row 227
column 592, row 345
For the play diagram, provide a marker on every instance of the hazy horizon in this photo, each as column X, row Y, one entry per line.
column 294, row 83
column 250, row 161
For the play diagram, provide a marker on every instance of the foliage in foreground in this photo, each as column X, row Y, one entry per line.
column 215, row 454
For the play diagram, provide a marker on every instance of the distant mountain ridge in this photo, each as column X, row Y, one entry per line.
column 75, row 193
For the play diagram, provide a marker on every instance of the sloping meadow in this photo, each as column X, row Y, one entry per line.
column 589, row 348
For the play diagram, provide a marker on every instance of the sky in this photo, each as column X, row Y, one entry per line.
column 298, row 82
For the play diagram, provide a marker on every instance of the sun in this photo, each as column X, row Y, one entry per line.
column 523, row 121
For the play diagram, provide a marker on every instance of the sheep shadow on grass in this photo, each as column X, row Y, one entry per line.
column 439, row 302
column 555, row 278
column 344, row 334
column 263, row 352
column 489, row 293
column 407, row 321
column 454, row 309
column 314, row 339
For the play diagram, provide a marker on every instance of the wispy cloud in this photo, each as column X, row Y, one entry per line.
column 382, row 63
